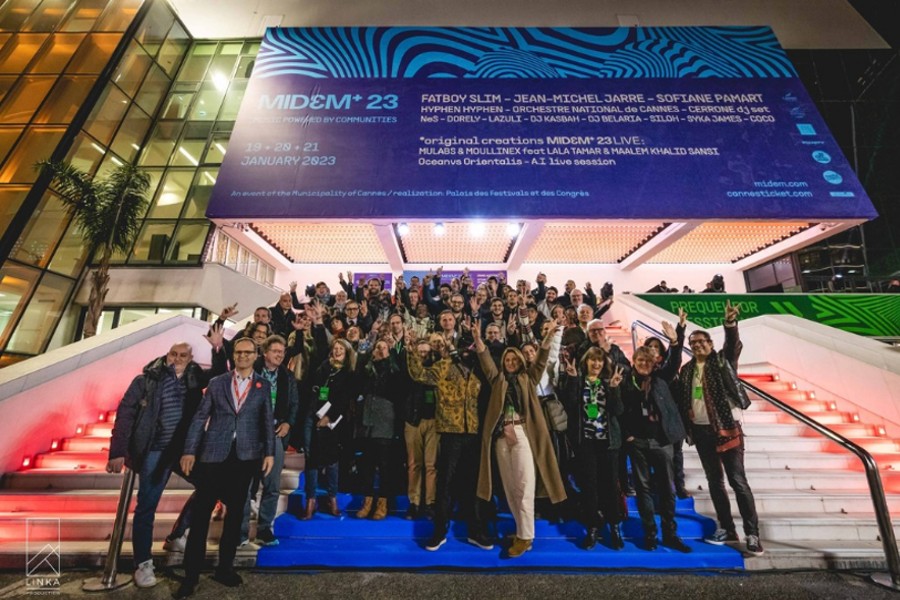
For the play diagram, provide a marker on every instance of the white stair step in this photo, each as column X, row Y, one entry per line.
column 87, row 443
column 780, row 460
column 785, row 527
column 71, row 460
column 797, row 479
column 99, row 429
column 809, row 502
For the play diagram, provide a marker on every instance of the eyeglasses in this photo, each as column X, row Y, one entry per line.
column 349, row 308
column 698, row 342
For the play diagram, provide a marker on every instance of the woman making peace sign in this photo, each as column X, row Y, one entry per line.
column 593, row 403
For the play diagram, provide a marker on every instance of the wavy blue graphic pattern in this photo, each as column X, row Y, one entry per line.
column 502, row 52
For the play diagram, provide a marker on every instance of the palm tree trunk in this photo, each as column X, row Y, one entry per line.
column 99, row 288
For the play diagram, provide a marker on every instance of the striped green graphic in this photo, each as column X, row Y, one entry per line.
column 874, row 315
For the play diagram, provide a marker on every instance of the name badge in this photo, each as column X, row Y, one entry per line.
column 429, row 396
column 323, row 394
column 592, row 411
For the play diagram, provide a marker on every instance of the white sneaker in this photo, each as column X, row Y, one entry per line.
column 176, row 545
column 143, row 576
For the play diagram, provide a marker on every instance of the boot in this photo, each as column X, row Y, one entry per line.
column 310, row 509
column 381, row 509
column 615, row 536
column 331, row 508
column 363, row 512
column 590, row 540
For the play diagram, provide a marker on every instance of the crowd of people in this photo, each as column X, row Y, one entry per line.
column 435, row 391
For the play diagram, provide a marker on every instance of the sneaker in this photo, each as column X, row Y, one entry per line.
column 176, row 544
column 721, row 536
column 630, row 491
column 185, row 590
column 435, row 542
column 412, row 513
column 247, row 545
column 143, row 575
column 481, row 540
column 265, row 537
column 675, row 543
column 754, row 546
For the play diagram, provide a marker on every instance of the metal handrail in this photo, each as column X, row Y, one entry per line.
column 876, row 488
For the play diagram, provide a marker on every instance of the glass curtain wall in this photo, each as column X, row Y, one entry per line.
column 55, row 57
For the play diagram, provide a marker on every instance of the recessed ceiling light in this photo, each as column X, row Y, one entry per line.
column 402, row 228
column 438, row 229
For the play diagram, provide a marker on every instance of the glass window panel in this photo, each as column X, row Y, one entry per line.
column 251, row 48
column 109, row 163
column 131, row 69
column 42, row 232
column 216, row 150
column 48, row 15
column 66, row 98
column 11, row 199
column 85, row 154
column 245, row 67
column 41, row 314
column 221, row 248
column 56, row 53
column 173, row 49
column 70, row 255
column 84, row 16
column 118, row 15
column 161, row 144
column 171, row 196
column 187, row 153
column 16, row 283
column 24, row 99
column 153, row 90
column 6, row 83
column 130, row 315
column 233, row 100
column 252, row 267
column 176, row 106
column 270, row 275
column 8, row 137
column 107, row 114
column 207, row 104
column 232, row 258
column 153, row 242
column 131, row 134
column 14, row 13
column 94, row 53
column 195, row 65
column 37, row 143
column 155, row 26
column 189, row 241
column 19, row 51
column 107, row 318
column 243, row 259
column 198, row 198
column 221, row 68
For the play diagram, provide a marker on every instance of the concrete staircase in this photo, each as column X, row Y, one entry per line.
column 811, row 495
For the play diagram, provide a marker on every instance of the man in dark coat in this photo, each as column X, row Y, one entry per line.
column 151, row 424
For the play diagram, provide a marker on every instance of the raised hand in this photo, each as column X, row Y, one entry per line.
column 682, row 317
column 511, row 324
column 341, row 277
column 466, row 323
column 587, row 285
column 476, row 329
column 473, row 304
column 616, row 378
column 670, row 332
column 293, row 285
column 541, row 278
column 731, row 311
column 229, row 311
column 363, row 308
column 216, row 335
column 569, row 363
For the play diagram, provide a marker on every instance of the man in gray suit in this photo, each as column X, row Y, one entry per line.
column 238, row 436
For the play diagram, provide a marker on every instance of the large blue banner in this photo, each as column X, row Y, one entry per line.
column 650, row 123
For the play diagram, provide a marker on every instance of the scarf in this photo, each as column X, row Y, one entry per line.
column 718, row 407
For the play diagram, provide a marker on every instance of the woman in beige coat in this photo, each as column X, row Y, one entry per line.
column 515, row 427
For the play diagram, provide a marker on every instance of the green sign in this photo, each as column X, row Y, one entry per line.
column 875, row 315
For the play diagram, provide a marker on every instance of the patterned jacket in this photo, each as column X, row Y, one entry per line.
column 457, row 393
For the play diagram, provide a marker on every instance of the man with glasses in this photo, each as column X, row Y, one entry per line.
column 230, row 438
column 353, row 316
column 711, row 403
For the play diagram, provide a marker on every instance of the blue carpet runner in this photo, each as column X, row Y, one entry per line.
column 394, row 543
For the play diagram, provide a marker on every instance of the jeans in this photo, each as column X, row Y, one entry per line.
column 268, row 503
column 646, row 455
column 732, row 462
column 152, row 480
